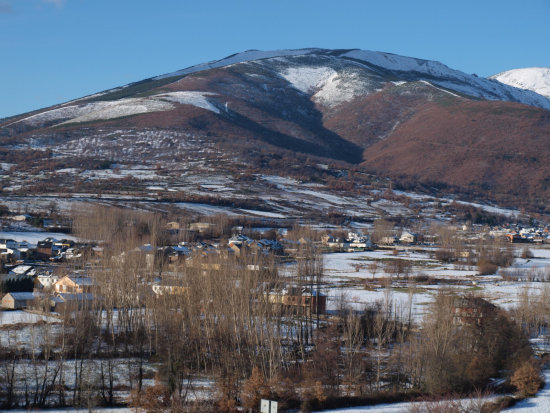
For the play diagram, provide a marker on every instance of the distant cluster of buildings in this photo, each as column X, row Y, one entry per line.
column 52, row 294
column 360, row 242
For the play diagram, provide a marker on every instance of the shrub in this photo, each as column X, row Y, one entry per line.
column 254, row 389
column 444, row 255
column 527, row 379
column 486, row 267
column 154, row 399
column 526, row 253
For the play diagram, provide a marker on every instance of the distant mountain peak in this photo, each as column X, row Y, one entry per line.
column 536, row 79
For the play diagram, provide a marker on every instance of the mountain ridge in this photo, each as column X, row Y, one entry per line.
column 257, row 109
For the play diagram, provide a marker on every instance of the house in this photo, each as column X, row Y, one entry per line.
column 240, row 239
column 44, row 247
column 7, row 255
column 18, row 301
column 238, row 248
column 60, row 246
column 63, row 302
column 408, row 237
column 169, row 290
column 516, row 238
column 388, row 240
column 45, row 282
column 74, row 284
column 177, row 254
column 335, row 243
column 297, row 299
column 172, row 226
column 358, row 242
column 8, row 243
column 97, row 251
column 200, row 226
column 266, row 246
column 21, row 218
column 471, row 310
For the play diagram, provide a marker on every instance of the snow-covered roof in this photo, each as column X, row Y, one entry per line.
column 24, row 296
column 21, row 269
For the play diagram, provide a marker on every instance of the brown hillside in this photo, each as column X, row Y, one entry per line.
column 498, row 149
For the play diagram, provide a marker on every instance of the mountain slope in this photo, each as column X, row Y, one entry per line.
column 417, row 121
column 535, row 79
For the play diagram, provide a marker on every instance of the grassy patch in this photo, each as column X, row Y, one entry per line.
column 407, row 290
column 474, row 288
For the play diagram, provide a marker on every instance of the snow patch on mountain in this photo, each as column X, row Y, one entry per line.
column 308, row 79
column 536, row 79
column 328, row 86
column 120, row 108
column 439, row 74
column 194, row 98
column 438, row 88
column 399, row 63
column 104, row 110
column 247, row 56
column 62, row 113
column 340, row 88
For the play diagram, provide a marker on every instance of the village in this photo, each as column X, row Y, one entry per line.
column 124, row 277
column 44, row 271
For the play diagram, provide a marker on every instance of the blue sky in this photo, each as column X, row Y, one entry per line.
column 52, row 51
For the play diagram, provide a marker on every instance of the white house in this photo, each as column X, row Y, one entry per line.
column 408, row 237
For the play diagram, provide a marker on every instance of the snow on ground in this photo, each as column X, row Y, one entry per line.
column 143, row 174
column 263, row 213
column 279, row 181
column 487, row 208
column 206, row 209
column 22, row 317
column 391, row 207
column 34, row 236
column 344, row 264
column 348, row 278
column 379, row 408
column 466, row 405
column 494, row 210
column 538, row 404
column 399, row 301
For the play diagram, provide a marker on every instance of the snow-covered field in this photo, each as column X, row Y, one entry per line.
column 466, row 405
column 22, row 317
column 349, row 280
column 34, row 236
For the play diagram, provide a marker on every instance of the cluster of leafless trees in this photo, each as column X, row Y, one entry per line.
column 215, row 317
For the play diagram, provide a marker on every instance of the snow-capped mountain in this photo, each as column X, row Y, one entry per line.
column 536, row 79
column 330, row 77
column 413, row 119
